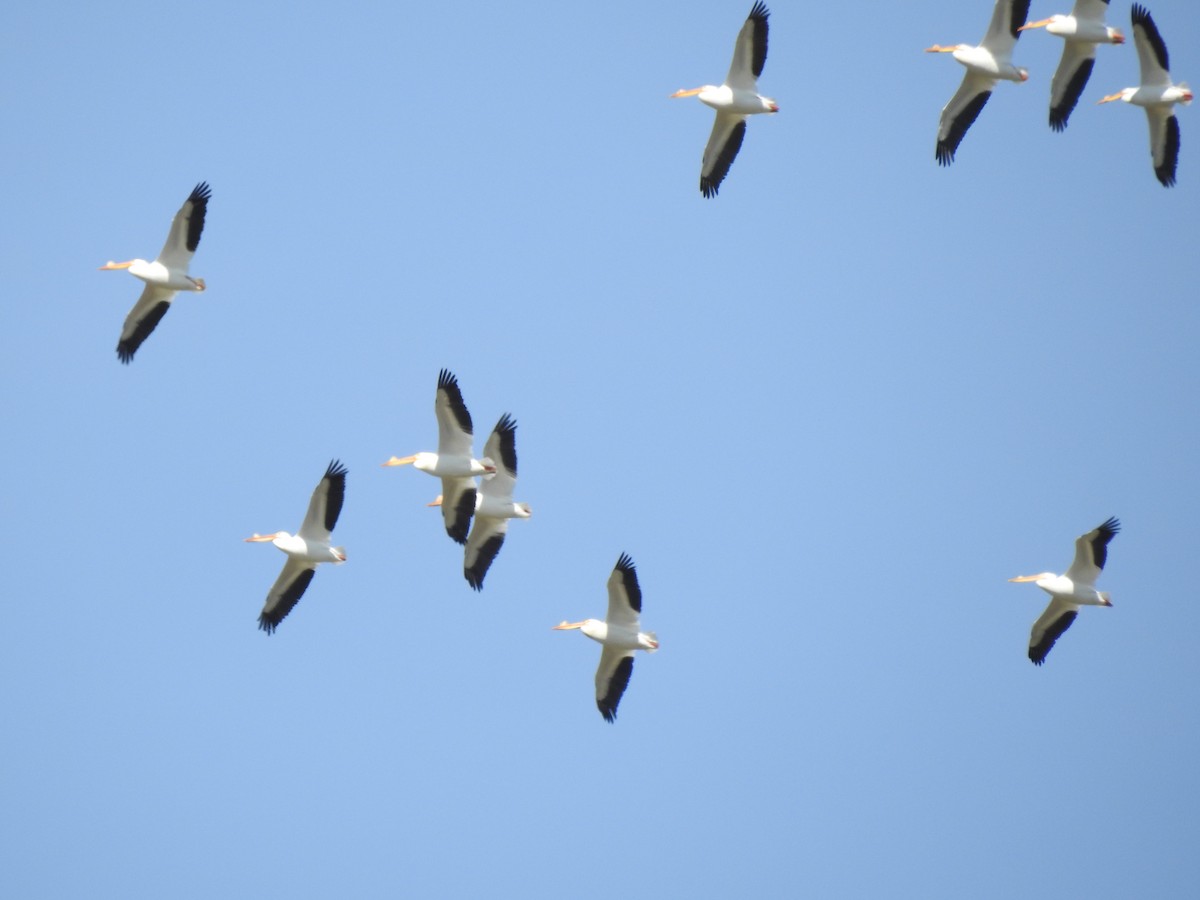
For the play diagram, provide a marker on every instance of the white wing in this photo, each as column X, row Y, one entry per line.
column 624, row 596
column 1095, row 10
column 455, row 431
column 501, row 449
column 1007, row 17
column 1050, row 627
column 612, row 677
column 1070, row 78
column 960, row 113
column 325, row 505
column 1164, row 142
column 459, row 498
column 483, row 544
column 285, row 593
column 186, row 228
column 1091, row 552
column 749, row 50
column 1152, row 50
column 143, row 319
column 722, row 149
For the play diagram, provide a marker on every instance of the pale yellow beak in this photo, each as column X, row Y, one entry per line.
column 1110, row 98
column 564, row 625
column 400, row 461
column 938, row 48
column 1024, row 578
column 259, row 538
column 1042, row 24
column 688, row 93
column 437, row 502
column 115, row 265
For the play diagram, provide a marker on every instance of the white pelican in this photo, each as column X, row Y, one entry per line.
column 986, row 64
column 1069, row 592
column 167, row 275
column 737, row 98
column 619, row 635
column 494, row 504
column 306, row 548
column 453, row 463
column 1082, row 30
column 1156, row 94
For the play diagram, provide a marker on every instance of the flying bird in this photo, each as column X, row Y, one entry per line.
column 1082, row 31
column 1070, row 591
column 736, row 99
column 306, row 549
column 1156, row 94
column 619, row 635
column 494, row 504
column 453, row 462
column 167, row 275
column 986, row 64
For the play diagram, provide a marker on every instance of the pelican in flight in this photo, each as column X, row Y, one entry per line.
column 986, row 64
column 619, row 635
column 1082, row 31
column 305, row 549
column 737, row 98
column 167, row 275
column 453, row 463
column 1069, row 592
column 1156, row 94
column 494, row 504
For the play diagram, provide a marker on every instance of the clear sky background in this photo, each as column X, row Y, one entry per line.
column 828, row 413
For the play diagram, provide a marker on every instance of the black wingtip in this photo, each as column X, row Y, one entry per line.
column 267, row 625
column 200, row 193
column 335, row 469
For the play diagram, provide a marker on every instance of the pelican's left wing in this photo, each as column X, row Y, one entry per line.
column 186, row 227
column 612, row 677
column 624, row 595
column 455, row 431
column 1091, row 552
column 1007, row 17
column 143, row 319
column 720, row 152
column 750, row 50
column 326, row 504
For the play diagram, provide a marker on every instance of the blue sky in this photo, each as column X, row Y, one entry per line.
column 828, row 413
